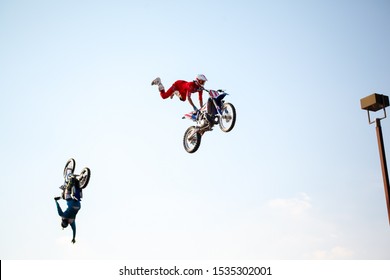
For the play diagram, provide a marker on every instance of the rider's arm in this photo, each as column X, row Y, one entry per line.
column 190, row 101
column 73, row 225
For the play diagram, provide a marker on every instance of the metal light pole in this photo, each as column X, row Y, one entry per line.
column 373, row 103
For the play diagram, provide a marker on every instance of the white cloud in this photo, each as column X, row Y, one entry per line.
column 303, row 232
column 295, row 206
column 337, row 252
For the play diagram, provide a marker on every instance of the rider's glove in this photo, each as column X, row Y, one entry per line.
column 195, row 109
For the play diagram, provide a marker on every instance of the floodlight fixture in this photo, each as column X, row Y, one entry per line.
column 374, row 103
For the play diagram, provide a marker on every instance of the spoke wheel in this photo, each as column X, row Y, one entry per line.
column 228, row 118
column 69, row 168
column 191, row 139
column 84, row 177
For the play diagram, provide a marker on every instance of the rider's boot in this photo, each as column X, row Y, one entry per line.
column 158, row 83
column 215, row 119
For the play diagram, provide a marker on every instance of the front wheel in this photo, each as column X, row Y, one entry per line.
column 191, row 139
column 69, row 168
column 227, row 120
column 84, row 177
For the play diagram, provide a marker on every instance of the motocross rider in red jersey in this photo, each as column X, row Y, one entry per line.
column 183, row 89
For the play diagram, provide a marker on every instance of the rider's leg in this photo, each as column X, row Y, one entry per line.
column 73, row 208
column 209, row 106
column 172, row 91
column 210, row 112
column 165, row 94
column 60, row 212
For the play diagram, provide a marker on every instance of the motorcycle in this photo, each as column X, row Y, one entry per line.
column 68, row 173
column 215, row 111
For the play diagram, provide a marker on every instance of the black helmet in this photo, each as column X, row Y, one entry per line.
column 64, row 223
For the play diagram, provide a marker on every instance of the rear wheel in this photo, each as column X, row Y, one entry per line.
column 191, row 139
column 69, row 168
column 84, row 177
column 227, row 119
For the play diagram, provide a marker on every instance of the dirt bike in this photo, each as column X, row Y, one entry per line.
column 214, row 112
column 83, row 178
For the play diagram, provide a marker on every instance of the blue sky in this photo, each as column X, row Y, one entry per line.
column 298, row 178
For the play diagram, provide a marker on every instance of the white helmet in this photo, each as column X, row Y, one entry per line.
column 200, row 79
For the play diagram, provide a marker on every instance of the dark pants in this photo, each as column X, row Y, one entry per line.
column 72, row 210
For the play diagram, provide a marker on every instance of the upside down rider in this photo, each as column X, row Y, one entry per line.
column 73, row 194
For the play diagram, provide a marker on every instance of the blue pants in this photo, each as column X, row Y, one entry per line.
column 72, row 210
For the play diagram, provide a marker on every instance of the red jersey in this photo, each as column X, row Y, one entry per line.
column 185, row 89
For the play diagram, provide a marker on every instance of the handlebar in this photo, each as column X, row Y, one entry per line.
column 208, row 90
column 76, row 176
